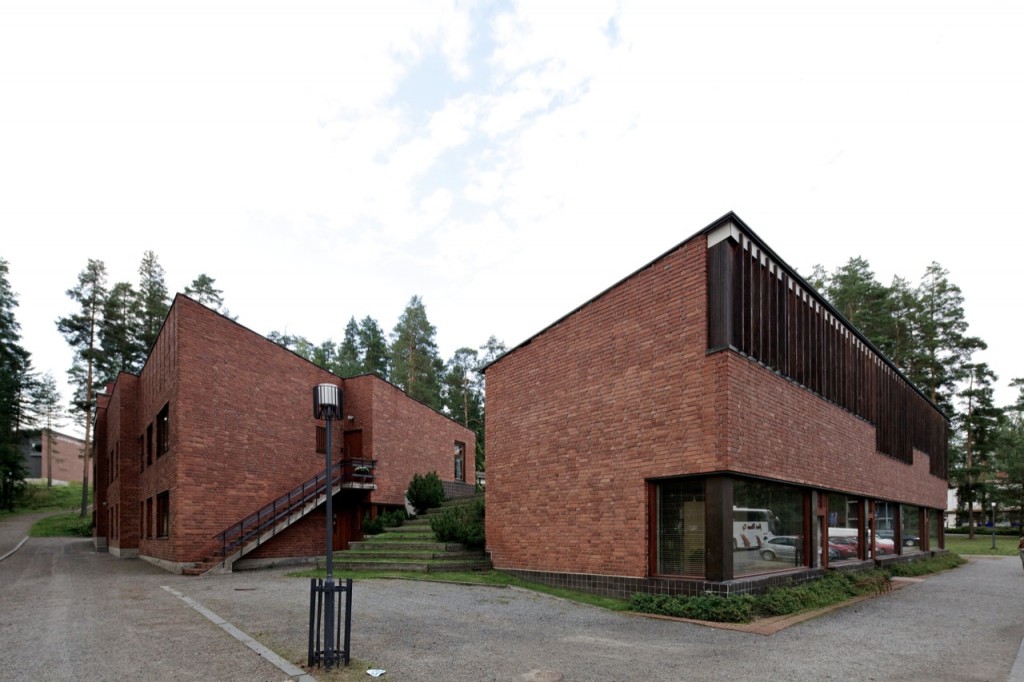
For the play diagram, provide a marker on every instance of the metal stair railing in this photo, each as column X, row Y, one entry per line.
column 253, row 526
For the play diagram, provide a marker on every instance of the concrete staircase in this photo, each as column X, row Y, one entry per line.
column 411, row 547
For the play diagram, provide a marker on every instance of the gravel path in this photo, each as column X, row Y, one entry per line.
column 67, row 612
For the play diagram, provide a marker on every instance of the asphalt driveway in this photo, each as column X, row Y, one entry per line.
column 67, row 612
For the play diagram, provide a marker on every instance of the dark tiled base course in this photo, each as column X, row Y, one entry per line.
column 620, row 587
column 623, row 587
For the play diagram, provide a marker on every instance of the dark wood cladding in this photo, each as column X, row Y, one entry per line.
column 760, row 309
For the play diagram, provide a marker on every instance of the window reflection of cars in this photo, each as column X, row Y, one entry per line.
column 845, row 548
column 782, row 547
column 908, row 540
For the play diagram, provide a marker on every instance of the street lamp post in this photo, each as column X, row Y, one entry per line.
column 327, row 405
column 993, row 525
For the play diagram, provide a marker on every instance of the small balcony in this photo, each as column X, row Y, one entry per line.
column 358, row 474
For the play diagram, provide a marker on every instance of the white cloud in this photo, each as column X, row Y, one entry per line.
column 552, row 149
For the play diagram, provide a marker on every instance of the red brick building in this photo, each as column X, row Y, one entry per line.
column 211, row 454
column 707, row 423
column 53, row 455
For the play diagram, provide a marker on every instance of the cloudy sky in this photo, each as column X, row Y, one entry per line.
column 505, row 161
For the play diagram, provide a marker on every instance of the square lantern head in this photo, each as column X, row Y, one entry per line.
column 326, row 401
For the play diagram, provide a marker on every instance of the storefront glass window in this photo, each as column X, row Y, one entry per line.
column 768, row 527
column 910, row 529
column 843, row 533
column 680, row 534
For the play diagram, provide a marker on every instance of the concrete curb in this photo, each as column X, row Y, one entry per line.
column 16, row 548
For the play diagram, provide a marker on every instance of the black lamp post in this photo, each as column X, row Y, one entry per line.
column 993, row 525
column 327, row 405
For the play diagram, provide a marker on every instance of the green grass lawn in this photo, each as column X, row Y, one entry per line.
column 497, row 578
column 38, row 498
column 982, row 544
column 63, row 525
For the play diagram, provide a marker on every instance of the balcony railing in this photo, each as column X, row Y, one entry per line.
column 358, row 472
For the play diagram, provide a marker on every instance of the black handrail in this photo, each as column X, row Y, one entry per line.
column 268, row 516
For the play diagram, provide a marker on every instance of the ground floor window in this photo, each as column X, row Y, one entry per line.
column 726, row 527
column 843, row 527
column 768, row 527
column 163, row 514
column 934, row 529
column 910, row 529
column 680, row 527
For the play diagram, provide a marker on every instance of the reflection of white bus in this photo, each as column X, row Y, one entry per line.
column 751, row 528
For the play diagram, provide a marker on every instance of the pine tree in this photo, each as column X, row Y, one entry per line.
column 119, row 333
column 978, row 421
column 415, row 364
column 153, row 300
column 373, row 347
column 202, row 290
column 14, row 372
column 1009, row 454
column 349, row 362
column 81, row 330
column 462, row 391
column 943, row 348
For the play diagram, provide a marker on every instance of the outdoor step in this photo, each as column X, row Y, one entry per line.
column 403, row 555
column 409, row 528
column 385, row 544
column 435, row 566
column 199, row 568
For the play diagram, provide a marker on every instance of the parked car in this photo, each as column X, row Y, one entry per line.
column 885, row 545
column 784, row 547
column 845, row 548
column 908, row 540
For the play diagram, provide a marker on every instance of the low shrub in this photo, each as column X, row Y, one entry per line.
column 373, row 526
column 832, row 588
column 425, row 492
column 462, row 523
column 710, row 607
column 388, row 519
column 393, row 518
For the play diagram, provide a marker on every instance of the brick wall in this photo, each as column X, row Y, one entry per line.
column 242, row 433
column 118, row 462
column 408, row 438
column 622, row 391
column 776, row 426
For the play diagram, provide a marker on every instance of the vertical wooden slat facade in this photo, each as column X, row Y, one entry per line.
column 759, row 308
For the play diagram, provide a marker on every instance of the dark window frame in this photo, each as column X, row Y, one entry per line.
column 163, row 514
column 163, row 431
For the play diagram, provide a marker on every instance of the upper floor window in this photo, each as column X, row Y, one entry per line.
column 162, row 432
column 460, row 461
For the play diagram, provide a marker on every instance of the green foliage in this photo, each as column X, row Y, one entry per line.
column 388, row 519
column 202, row 291
column 710, row 607
column 63, row 525
column 416, row 367
column 461, row 523
column 119, row 333
column 832, row 588
column 425, row 492
column 15, row 381
column 373, row 526
column 153, row 300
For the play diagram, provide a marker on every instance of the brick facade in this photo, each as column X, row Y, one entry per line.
column 240, row 433
column 623, row 392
